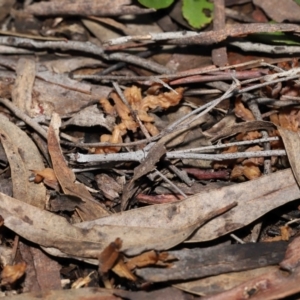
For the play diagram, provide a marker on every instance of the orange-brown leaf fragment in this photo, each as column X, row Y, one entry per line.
column 286, row 232
column 241, row 111
column 237, row 172
column 257, row 161
column 48, row 176
column 143, row 260
column 109, row 256
column 251, row 171
column 163, row 100
column 140, row 107
column 10, row 274
column 122, row 270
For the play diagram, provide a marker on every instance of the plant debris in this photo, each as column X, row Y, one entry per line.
column 141, row 159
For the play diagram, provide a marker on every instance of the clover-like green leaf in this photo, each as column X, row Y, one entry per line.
column 198, row 13
column 157, row 4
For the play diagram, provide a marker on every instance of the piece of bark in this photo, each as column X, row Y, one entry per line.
column 219, row 55
column 92, row 293
column 22, row 91
column 220, row 283
column 168, row 293
column 42, row 272
column 197, row 263
column 277, row 284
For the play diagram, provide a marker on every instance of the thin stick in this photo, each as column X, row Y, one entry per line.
column 221, row 146
column 140, row 155
column 21, row 115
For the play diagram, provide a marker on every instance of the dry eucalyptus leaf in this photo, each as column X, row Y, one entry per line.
column 108, row 186
column 280, row 11
column 65, row 176
column 291, row 142
column 47, row 97
column 23, row 156
column 45, row 229
column 91, row 116
column 267, row 193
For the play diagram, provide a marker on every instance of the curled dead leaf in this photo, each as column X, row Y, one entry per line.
column 241, row 111
column 122, row 270
column 11, row 274
column 146, row 259
column 48, row 176
column 109, row 256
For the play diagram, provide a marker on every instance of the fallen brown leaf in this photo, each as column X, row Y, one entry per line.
column 65, row 176
column 109, row 256
column 11, row 274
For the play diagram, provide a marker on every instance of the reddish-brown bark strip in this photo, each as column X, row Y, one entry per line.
column 219, row 55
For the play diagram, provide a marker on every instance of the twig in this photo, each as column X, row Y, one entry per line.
column 209, row 105
column 252, row 104
column 209, row 37
column 139, row 61
column 151, row 37
column 221, row 146
column 146, row 133
column 219, row 54
column 237, row 238
column 170, row 182
column 121, row 65
column 140, row 155
column 203, row 109
column 225, row 156
column 205, row 70
column 21, row 115
column 86, row 47
column 181, row 174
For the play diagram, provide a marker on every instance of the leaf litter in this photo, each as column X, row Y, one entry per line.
column 142, row 172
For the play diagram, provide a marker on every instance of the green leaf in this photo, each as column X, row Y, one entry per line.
column 297, row 1
column 157, row 4
column 274, row 38
column 197, row 12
